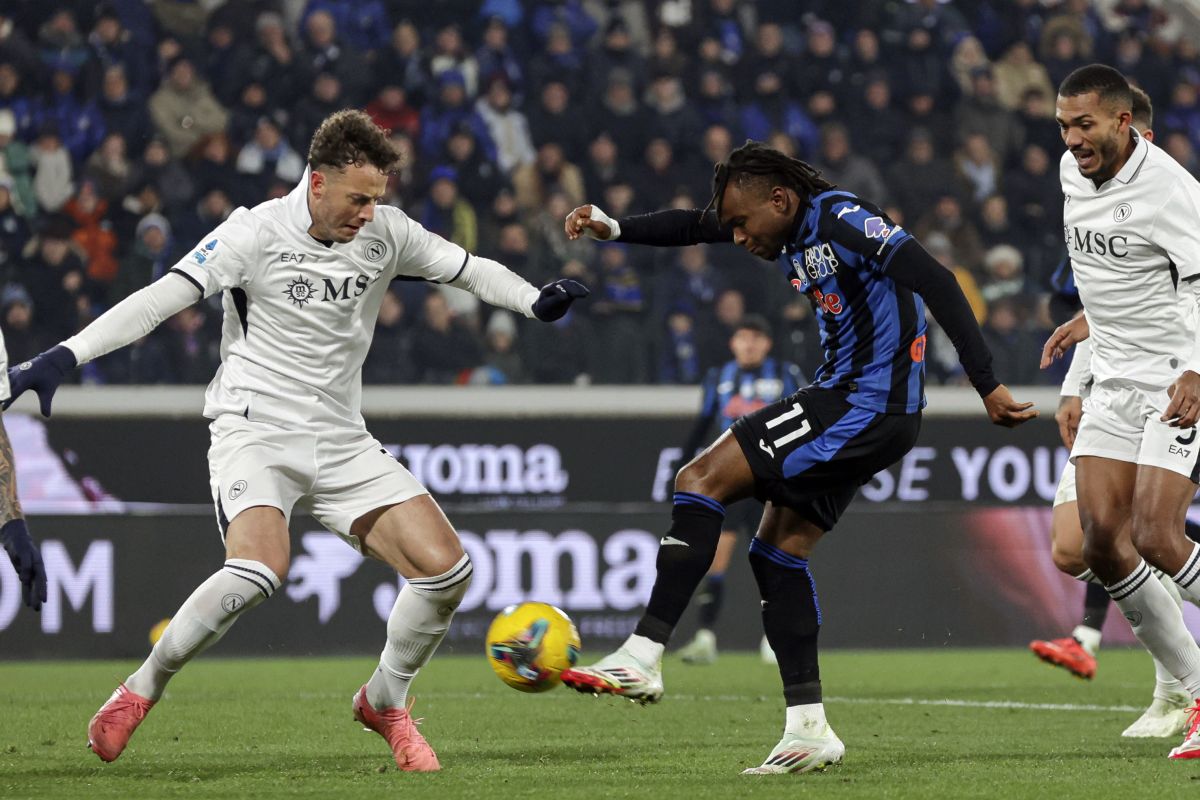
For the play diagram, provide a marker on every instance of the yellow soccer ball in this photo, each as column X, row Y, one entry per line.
column 529, row 645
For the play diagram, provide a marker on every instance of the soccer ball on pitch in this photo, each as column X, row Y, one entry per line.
column 529, row 645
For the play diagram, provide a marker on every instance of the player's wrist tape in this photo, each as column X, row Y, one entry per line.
column 614, row 227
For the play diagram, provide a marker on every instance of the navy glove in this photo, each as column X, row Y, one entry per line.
column 26, row 560
column 556, row 298
column 43, row 374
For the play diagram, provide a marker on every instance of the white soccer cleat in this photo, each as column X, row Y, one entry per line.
column 802, row 754
column 702, row 649
column 1164, row 717
column 621, row 674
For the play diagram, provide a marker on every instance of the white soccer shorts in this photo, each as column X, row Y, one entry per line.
column 1065, row 493
column 337, row 476
column 1121, row 422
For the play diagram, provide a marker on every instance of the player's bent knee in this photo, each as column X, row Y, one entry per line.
column 448, row 588
column 697, row 476
column 1070, row 563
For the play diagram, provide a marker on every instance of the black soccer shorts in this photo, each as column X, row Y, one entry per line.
column 811, row 450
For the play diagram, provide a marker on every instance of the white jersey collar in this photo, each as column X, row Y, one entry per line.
column 296, row 203
column 1140, row 151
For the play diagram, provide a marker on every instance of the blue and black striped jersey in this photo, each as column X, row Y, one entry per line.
column 872, row 329
column 731, row 391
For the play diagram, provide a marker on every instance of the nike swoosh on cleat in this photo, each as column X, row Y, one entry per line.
column 672, row 540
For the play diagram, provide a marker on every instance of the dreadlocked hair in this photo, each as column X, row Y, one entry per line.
column 754, row 162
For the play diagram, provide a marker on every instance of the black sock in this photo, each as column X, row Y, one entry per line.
column 709, row 600
column 791, row 619
column 684, row 556
column 1095, row 606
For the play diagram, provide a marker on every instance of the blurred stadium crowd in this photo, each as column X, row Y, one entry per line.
column 131, row 128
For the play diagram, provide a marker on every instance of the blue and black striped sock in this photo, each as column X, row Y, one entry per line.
column 791, row 619
column 684, row 556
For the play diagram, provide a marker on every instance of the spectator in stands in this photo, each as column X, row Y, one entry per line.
column 61, row 42
column 667, row 59
column 151, row 258
column 561, row 59
column 124, row 112
column 390, row 360
column 981, row 112
column 496, row 57
column 1183, row 113
column 714, row 103
column 920, row 68
column 882, row 140
column 213, row 208
column 507, row 126
column 110, row 169
column 978, row 168
column 390, row 110
column 16, row 164
column 1182, row 150
column 450, row 53
column 679, row 360
column 193, row 352
column 443, row 349
column 93, row 234
column 224, row 58
column 1036, row 115
column 502, row 361
column 406, row 184
column 670, row 115
column 616, row 51
column 767, row 54
column 497, row 217
column 450, row 111
column 602, row 167
column 268, row 156
column 109, row 44
column 865, row 62
column 995, row 226
column 55, row 278
column 563, row 351
column 1004, row 274
column 917, row 180
column 947, row 218
column 549, row 172
column 22, row 338
column 771, row 110
column 841, row 166
column 660, row 176
column 967, row 56
column 325, row 52
column 1033, row 191
column 79, row 123
column 799, row 339
column 1061, row 53
column 170, row 178
column 555, row 117
column 274, row 62
column 922, row 111
column 1014, row 349
column 724, row 22
column 53, row 176
column 323, row 99
column 1017, row 74
column 620, row 116
column 478, row 178
column 617, row 307
column 693, row 282
column 362, row 25
column 402, row 62
column 1142, row 66
column 184, row 109
column 447, row 214
column 14, row 229
column 568, row 16
column 15, row 99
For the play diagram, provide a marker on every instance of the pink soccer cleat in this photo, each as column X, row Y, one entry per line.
column 412, row 752
column 1190, row 748
column 115, row 722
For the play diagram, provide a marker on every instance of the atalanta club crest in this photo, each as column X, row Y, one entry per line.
column 300, row 291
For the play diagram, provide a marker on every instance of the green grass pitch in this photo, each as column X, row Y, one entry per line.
column 916, row 724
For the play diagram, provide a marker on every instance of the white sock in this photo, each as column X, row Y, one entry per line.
column 805, row 720
column 1186, row 578
column 647, row 651
column 202, row 620
column 1158, row 625
column 416, row 626
column 1088, row 638
column 1165, row 685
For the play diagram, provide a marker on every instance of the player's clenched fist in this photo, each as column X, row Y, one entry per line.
column 591, row 221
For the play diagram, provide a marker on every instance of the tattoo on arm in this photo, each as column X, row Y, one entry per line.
column 10, row 506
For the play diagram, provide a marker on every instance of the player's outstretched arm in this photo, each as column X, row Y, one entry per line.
column 123, row 324
column 671, row 228
column 14, row 534
column 496, row 284
column 912, row 267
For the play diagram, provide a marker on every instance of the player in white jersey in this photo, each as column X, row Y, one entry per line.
column 1077, row 653
column 303, row 278
column 1130, row 216
column 14, row 533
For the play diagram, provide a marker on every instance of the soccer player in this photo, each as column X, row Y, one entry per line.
column 303, row 278
column 746, row 383
column 1167, row 713
column 14, row 533
column 1130, row 216
column 806, row 455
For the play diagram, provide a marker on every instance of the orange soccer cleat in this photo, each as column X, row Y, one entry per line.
column 412, row 752
column 115, row 722
column 1067, row 653
column 1191, row 743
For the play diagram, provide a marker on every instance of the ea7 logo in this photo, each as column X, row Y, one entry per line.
column 294, row 258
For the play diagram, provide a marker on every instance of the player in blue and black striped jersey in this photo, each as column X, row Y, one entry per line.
column 806, row 455
column 749, row 381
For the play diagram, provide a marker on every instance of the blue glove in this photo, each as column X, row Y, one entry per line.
column 556, row 298
column 26, row 560
column 43, row 374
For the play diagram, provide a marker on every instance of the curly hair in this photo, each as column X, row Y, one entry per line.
column 351, row 138
column 756, row 164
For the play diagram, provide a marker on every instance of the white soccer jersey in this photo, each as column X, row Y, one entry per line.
column 299, row 316
column 1134, row 245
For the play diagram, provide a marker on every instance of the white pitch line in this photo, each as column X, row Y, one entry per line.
column 913, row 701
